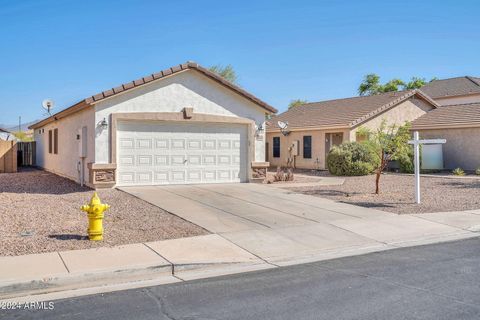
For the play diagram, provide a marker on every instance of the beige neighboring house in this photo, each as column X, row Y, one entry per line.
column 182, row 125
column 459, row 90
column 314, row 128
column 457, row 121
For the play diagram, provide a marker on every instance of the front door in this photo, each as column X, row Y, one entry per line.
column 331, row 140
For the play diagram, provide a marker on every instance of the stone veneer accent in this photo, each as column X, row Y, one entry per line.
column 259, row 171
column 102, row 175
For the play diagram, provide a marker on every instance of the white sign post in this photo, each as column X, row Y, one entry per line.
column 416, row 155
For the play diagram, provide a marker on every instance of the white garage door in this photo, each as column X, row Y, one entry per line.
column 153, row 153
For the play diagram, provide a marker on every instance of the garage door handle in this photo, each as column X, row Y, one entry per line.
column 185, row 161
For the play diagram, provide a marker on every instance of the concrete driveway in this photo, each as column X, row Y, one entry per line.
column 282, row 227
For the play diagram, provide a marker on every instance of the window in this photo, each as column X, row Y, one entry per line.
column 307, row 147
column 276, row 147
column 55, row 141
column 50, row 141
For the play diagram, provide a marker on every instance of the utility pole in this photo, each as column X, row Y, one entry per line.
column 19, row 123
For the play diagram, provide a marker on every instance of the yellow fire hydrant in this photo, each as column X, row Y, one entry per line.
column 95, row 212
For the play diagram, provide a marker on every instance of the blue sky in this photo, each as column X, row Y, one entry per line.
column 281, row 50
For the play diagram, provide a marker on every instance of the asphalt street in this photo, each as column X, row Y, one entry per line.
column 440, row 281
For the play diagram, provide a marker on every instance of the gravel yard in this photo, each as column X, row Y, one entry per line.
column 297, row 178
column 39, row 212
column 397, row 193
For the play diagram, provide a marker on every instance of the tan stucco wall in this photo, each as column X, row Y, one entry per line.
column 318, row 148
column 473, row 98
column 65, row 162
column 461, row 149
column 408, row 110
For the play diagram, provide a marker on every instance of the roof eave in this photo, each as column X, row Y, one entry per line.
column 445, row 126
column 79, row 106
column 151, row 78
column 392, row 104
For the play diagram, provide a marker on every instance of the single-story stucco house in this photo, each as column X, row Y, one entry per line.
column 457, row 121
column 447, row 108
column 182, row 125
column 314, row 128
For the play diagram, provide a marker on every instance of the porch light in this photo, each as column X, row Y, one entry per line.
column 103, row 124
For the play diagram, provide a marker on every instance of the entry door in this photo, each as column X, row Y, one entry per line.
column 155, row 153
column 331, row 140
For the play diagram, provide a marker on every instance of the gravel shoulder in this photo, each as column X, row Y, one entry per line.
column 39, row 212
column 439, row 194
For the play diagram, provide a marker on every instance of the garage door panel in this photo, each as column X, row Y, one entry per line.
column 162, row 144
column 161, row 160
column 177, row 153
column 144, row 143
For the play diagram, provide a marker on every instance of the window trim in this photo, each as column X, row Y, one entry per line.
column 276, row 153
column 309, row 153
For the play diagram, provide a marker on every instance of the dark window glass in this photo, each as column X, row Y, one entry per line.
column 307, row 147
column 276, row 147
column 55, row 141
column 50, row 141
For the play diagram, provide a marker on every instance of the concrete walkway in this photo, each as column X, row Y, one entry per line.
column 253, row 227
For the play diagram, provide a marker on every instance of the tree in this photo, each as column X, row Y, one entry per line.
column 371, row 85
column 416, row 83
column 227, row 72
column 296, row 103
column 393, row 85
column 23, row 136
column 391, row 143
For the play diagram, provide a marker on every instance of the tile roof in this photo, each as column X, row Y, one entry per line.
column 347, row 112
column 460, row 115
column 149, row 78
column 452, row 87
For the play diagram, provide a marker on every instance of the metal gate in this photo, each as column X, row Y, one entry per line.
column 26, row 153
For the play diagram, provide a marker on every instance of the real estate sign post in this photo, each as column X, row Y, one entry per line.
column 416, row 155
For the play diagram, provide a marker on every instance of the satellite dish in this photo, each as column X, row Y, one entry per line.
column 48, row 105
column 282, row 125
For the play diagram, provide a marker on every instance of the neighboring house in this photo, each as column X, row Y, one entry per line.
column 457, row 121
column 182, row 125
column 6, row 135
column 453, row 91
column 460, row 126
column 314, row 128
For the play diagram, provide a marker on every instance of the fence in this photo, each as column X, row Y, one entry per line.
column 26, row 153
column 8, row 156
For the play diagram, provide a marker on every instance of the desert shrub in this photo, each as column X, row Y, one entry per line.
column 458, row 172
column 281, row 175
column 352, row 159
column 477, row 172
column 406, row 160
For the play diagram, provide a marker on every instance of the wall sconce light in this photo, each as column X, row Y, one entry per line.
column 259, row 129
column 103, row 124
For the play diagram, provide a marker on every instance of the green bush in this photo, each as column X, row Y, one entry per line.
column 458, row 172
column 352, row 159
column 477, row 172
column 406, row 162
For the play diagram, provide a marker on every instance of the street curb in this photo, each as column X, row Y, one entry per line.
column 33, row 286
column 162, row 273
